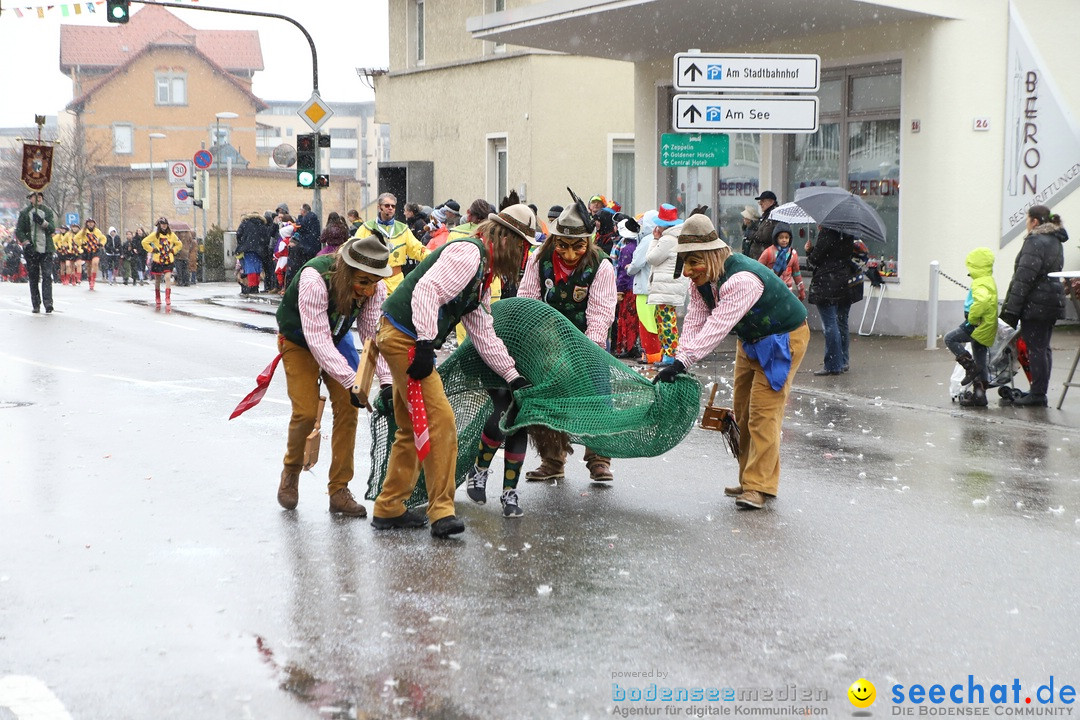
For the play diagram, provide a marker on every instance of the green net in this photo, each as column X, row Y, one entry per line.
column 578, row 388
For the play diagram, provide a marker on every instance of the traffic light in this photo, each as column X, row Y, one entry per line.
column 196, row 198
column 118, row 11
column 322, row 181
column 305, row 160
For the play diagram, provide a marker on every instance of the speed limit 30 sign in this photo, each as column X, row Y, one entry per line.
column 180, row 172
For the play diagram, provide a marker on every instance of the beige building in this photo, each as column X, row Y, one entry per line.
column 968, row 107
column 156, row 88
column 492, row 117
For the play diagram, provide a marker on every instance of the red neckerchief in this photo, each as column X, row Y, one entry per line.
column 562, row 270
column 490, row 275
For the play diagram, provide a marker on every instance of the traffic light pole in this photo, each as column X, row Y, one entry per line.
column 316, row 202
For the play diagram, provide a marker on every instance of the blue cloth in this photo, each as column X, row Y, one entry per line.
column 252, row 264
column 347, row 348
column 773, row 353
column 783, row 255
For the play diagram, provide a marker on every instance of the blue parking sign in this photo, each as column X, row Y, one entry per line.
column 71, row 219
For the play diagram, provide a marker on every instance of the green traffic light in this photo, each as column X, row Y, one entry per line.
column 118, row 12
column 305, row 179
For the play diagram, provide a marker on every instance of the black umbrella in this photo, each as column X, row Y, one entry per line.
column 836, row 208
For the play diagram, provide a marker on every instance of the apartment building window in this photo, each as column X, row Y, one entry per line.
column 349, row 153
column 497, row 166
column 621, row 179
column 419, row 31
column 171, row 88
column 857, row 145
column 500, row 5
column 343, row 133
column 123, row 139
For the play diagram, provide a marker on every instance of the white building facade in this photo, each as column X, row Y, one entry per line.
column 949, row 118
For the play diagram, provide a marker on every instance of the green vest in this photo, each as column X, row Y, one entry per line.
column 776, row 311
column 398, row 307
column 288, row 313
column 570, row 297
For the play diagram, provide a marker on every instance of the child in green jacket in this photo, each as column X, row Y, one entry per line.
column 979, row 327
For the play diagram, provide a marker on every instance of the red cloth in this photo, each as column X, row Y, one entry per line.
column 626, row 328
column 418, row 414
column 261, row 384
column 562, row 270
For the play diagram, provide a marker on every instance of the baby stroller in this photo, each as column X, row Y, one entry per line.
column 1006, row 354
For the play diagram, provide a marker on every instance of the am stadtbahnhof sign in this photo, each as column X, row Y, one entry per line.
column 704, row 72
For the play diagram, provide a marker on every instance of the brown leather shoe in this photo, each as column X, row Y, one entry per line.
column 288, row 492
column 751, row 500
column 600, row 470
column 344, row 503
column 548, row 470
column 734, row 491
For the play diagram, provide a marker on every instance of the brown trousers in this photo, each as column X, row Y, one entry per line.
column 759, row 411
column 302, row 373
column 403, row 469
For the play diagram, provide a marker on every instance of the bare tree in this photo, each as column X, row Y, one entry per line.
column 75, row 161
column 75, row 164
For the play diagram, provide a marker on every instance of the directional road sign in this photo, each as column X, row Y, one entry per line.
column 203, row 159
column 744, row 113
column 681, row 150
column 179, row 172
column 696, row 72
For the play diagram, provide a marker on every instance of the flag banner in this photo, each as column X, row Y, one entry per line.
column 1042, row 139
column 36, row 165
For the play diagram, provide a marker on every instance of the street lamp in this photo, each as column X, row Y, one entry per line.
column 224, row 115
column 153, row 137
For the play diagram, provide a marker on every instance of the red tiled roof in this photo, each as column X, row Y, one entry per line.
column 110, row 47
column 166, row 40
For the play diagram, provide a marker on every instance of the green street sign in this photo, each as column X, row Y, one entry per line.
column 685, row 150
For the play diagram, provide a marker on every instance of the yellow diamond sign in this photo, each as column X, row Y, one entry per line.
column 315, row 112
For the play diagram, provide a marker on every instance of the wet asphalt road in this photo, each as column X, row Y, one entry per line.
column 147, row 571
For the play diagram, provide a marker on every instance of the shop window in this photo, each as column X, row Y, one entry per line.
column 857, row 145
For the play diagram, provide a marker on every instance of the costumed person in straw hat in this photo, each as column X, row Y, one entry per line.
column 735, row 293
column 403, row 244
column 451, row 284
column 162, row 245
column 492, row 436
column 571, row 274
column 329, row 295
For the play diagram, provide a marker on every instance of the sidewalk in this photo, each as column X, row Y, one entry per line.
column 895, row 371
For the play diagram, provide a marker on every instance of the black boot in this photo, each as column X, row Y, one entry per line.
column 977, row 396
column 968, row 363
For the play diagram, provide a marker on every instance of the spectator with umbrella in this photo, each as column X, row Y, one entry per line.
column 842, row 219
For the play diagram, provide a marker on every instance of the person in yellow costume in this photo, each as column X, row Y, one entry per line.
column 403, row 244
column 162, row 244
column 90, row 240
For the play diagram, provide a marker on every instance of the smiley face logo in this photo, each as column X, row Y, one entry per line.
column 862, row 693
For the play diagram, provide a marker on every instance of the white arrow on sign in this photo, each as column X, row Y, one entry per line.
column 741, row 113
column 747, row 72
